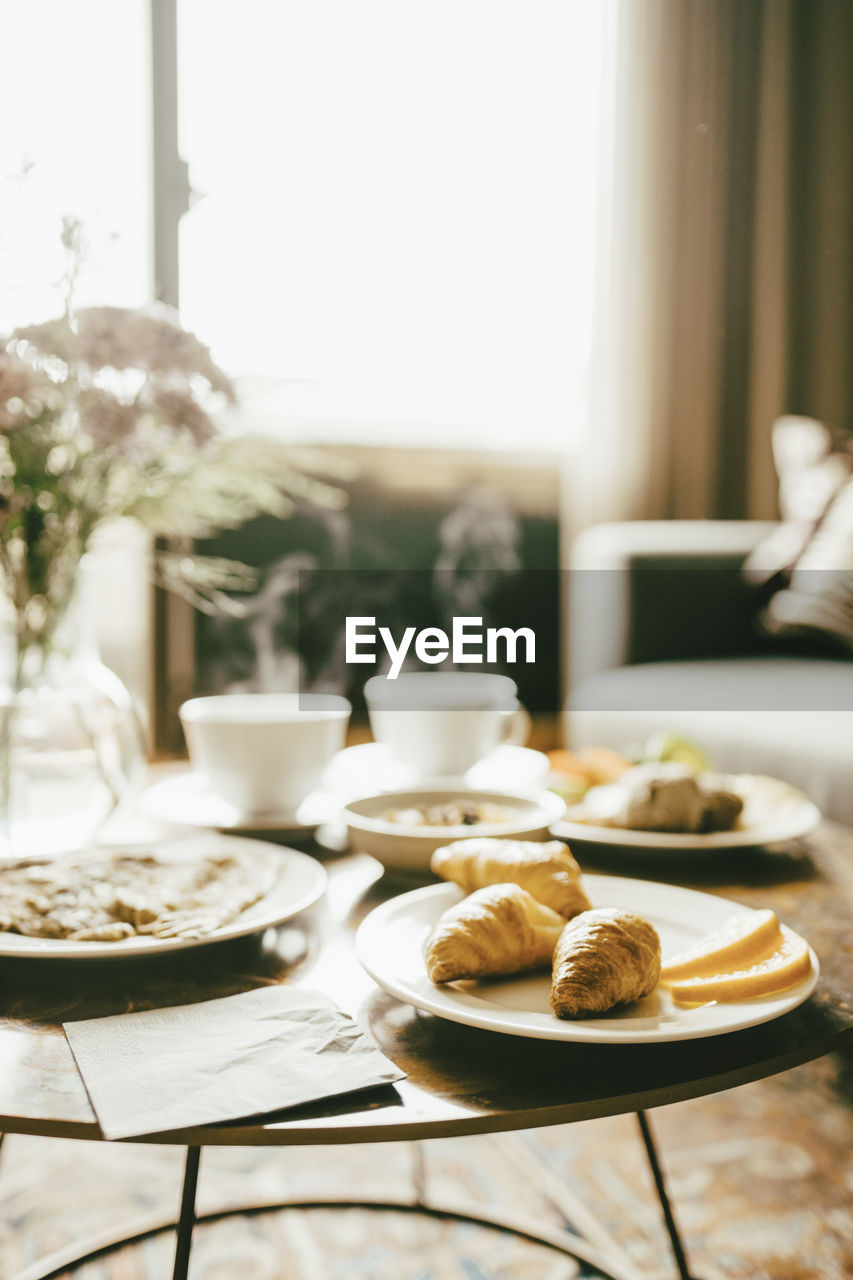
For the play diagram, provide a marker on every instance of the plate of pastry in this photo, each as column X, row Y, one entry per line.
column 668, row 806
column 108, row 903
column 518, row 941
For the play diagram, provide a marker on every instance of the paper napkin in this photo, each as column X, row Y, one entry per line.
column 226, row 1059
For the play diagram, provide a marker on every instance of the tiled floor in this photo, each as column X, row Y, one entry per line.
column 762, row 1179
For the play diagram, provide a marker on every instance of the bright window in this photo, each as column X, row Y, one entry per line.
column 75, row 101
column 393, row 236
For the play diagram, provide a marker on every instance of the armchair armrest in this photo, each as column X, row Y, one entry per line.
column 649, row 591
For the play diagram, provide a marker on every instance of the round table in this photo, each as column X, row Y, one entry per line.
column 459, row 1080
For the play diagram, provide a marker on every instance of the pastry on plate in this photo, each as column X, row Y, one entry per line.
column 604, row 958
column 107, row 895
column 679, row 804
column 546, row 869
column 500, row 929
column 662, row 797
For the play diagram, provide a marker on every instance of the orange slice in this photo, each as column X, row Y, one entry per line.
column 784, row 967
column 745, row 938
column 596, row 765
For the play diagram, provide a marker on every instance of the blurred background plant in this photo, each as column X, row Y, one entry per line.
column 109, row 412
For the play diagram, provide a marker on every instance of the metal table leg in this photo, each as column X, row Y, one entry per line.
column 419, row 1185
column 678, row 1250
column 186, row 1221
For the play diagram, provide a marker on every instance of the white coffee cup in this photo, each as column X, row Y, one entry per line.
column 264, row 752
column 440, row 723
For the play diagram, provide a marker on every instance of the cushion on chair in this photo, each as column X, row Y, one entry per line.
column 818, row 600
column 808, row 560
column 812, row 464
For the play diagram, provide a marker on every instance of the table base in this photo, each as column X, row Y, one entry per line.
column 570, row 1243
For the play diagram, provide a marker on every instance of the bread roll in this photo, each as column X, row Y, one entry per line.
column 500, row 929
column 546, row 869
column 605, row 957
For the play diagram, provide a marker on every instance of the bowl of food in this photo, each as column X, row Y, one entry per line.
column 404, row 828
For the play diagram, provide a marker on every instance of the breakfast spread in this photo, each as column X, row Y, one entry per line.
column 752, row 955
column 527, row 909
column 107, row 895
column 459, row 812
column 520, row 895
column 600, row 959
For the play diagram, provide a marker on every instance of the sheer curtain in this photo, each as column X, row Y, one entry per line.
column 726, row 281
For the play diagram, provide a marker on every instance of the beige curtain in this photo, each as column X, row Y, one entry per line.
column 727, row 267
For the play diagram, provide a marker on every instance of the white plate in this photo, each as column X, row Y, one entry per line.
column 185, row 798
column 773, row 812
column 391, row 942
column 300, row 882
column 401, row 847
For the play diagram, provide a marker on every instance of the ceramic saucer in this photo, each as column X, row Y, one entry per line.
column 185, row 798
column 371, row 767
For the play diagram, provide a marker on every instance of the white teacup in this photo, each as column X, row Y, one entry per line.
column 440, row 723
column 264, row 752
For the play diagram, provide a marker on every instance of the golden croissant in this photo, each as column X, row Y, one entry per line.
column 604, row 958
column 546, row 870
column 500, row 929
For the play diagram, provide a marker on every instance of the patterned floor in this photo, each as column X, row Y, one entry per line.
column 762, row 1179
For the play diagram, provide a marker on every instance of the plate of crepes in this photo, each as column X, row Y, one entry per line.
column 123, row 901
column 517, row 940
column 676, row 802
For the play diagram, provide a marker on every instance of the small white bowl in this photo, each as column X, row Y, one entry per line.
column 409, row 848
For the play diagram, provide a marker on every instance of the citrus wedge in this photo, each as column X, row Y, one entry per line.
column 745, row 938
column 784, row 967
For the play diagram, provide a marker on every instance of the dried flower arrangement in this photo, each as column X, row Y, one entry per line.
column 107, row 412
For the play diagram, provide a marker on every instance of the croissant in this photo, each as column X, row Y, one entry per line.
column 604, row 958
column 546, row 870
column 498, row 929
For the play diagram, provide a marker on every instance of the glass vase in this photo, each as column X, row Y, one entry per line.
column 71, row 743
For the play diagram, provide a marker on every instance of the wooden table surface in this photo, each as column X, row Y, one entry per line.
column 459, row 1079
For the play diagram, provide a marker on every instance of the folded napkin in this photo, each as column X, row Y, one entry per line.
column 225, row 1059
